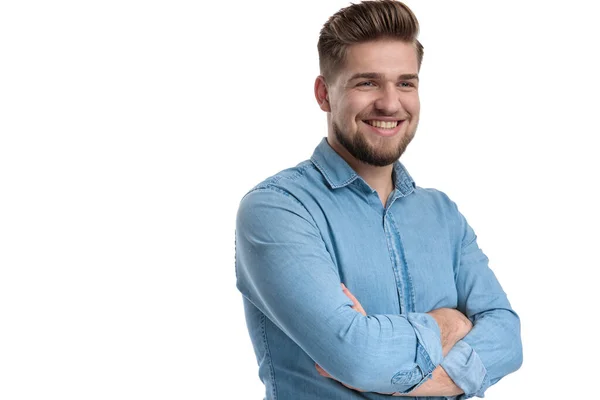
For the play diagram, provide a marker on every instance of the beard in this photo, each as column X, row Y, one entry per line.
column 360, row 149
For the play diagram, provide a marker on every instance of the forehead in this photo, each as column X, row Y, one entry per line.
column 389, row 57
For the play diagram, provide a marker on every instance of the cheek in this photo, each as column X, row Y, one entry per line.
column 346, row 112
column 413, row 105
column 358, row 107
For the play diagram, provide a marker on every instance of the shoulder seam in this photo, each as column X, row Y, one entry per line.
column 279, row 177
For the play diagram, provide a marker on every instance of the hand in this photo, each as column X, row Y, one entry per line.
column 355, row 304
column 440, row 384
column 324, row 373
column 453, row 326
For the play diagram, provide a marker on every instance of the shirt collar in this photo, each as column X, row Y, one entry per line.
column 338, row 173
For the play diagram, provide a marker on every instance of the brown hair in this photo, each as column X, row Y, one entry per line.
column 363, row 22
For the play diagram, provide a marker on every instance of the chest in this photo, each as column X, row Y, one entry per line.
column 394, row 261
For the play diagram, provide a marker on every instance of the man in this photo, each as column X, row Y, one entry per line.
column 421, row 314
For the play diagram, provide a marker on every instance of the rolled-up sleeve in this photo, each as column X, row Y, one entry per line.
column 285, row 270
column 493, row 348
column 466, row 369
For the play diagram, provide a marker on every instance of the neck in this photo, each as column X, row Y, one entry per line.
column 378, row 178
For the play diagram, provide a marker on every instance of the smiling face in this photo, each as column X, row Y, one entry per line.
column 374, row 102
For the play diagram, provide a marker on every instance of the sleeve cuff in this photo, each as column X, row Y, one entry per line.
column 428, row 353
column 464, row 367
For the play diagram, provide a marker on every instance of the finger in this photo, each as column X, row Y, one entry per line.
column 321, row 371
column 357, row 306
column 349, row 294
column 355, row 303
column 353, row 388
column 324, row 373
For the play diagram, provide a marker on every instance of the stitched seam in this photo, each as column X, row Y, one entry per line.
column 410, row 286
column 277, row 178
column 268, row 354
column 287, row 194
column 427, row 360
column 407, row 184
column 329, row 180
column 294, row 198
column 397, row 275
column 300, row 172
column 483, row 384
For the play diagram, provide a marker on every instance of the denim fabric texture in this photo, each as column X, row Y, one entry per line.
column 302, row 232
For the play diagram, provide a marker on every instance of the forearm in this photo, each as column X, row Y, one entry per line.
column 366, row 363
column 440, row 384
column 453, row 327
column 489, row 352
column 453, row 324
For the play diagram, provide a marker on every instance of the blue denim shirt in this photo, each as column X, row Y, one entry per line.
column 303, row 231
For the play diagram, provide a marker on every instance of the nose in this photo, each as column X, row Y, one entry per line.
column 388, row 101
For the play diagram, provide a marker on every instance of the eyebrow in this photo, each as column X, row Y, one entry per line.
column 375, row 75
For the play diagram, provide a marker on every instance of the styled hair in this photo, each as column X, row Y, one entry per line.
column 364, row 22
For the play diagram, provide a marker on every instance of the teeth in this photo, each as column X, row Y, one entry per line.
column 383, row 124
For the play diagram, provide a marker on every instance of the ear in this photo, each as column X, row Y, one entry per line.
column 322, row 94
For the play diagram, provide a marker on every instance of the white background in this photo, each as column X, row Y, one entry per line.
column 130, row 130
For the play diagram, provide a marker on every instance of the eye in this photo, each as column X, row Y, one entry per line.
column 407, row 84
column 366, row 84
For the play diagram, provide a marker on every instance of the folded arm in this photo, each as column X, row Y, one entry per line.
column 492, row 349
column 453, row 326
column 285, row 270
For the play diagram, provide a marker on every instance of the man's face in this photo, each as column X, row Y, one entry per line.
column 374, row 101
